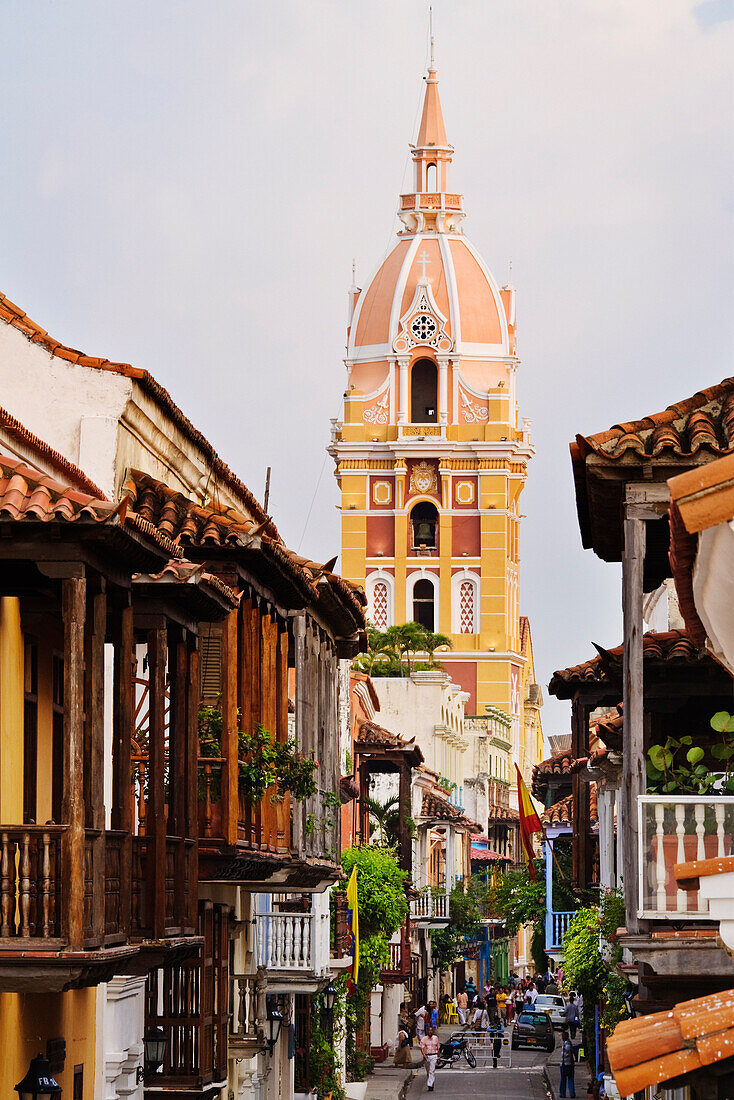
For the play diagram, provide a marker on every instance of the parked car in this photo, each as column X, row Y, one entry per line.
column 555, row 1005
column 533, row 1029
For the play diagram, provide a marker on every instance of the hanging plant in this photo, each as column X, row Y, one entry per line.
column 265, row 763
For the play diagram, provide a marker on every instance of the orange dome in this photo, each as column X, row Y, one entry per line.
column 464, row 298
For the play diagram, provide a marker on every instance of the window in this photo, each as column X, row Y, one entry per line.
column 423, row 596
column 379, row 605
column 424, row 391
column 424, row 525
column 431, row 178
column 466, row 607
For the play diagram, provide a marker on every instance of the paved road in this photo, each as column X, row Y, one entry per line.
column 523, row 1082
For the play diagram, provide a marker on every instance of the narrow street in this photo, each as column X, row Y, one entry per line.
column 523, row 1081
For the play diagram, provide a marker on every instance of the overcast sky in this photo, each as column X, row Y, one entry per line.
column 186, row 182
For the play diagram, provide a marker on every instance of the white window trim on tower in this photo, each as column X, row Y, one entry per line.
column 371, row 581
column 456, row 580
column 423, row 574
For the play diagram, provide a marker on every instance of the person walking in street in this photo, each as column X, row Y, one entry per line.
column 402, row 1047
column 568, row 1065
column 571, row 1012
column 462, row 1006
column 478, row 1007
column 430, row 1047
column 422, row 1018
column 502, row 1004
column 495, row 1032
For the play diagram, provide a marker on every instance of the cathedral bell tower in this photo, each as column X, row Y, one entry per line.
column 430, row 457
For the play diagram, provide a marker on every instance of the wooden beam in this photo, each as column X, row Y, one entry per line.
column 96, row 628
column 633, row 776
column 192, row 774
column 122, row 730
column 156, row 816
column 73, row 593
column 230, row 753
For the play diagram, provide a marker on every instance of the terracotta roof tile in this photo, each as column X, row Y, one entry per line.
column 561, row 813
column 197, row 527
column 503, row 813
column 187, row 573
column 651, row 1049
column 28, row 495
column 370, row 735
column 13, row 315
column 670, row 645
column 705, row 420
column 438, row 806
column 555, row 766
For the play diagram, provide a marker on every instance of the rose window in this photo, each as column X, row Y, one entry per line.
column 423, row 328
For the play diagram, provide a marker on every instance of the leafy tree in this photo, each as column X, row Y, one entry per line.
column 407, row 639
column 386, row 819
column 433, row 642
column 383, row 908
column 465, row 910
column 518, row 899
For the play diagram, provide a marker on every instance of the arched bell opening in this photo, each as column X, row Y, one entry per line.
column 424, row 392
column 424, row 526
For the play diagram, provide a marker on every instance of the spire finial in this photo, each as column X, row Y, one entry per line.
column 432, row 62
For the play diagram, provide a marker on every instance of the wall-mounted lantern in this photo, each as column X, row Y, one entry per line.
column 38, row 1080
column 274, row 1023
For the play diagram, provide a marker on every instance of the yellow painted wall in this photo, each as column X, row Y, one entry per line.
column 28, row 1020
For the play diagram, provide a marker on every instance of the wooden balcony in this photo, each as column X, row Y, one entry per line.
column 398, row 969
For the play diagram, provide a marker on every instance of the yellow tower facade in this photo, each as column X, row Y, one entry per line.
column 431, row 457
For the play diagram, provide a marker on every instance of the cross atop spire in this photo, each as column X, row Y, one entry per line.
column 431, row 63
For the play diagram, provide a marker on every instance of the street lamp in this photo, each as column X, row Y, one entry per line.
column 274, row 1022
column 330, row 996
column 155, row 1048
column 38, row 1080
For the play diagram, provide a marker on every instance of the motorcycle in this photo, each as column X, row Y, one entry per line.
column 452, row 1051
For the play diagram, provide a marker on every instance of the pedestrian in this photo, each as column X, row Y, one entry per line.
column 495, row 1032
column 430, row 1047
column 532, row 993
column 490, row 1000
column 571, row 1012
column 540, row 983
column 568, row 1065
column 501, row 996
column 421, row 1019
column 462, row 1006
column 478, row 1006
column 402, row 1048
column 433, row 1014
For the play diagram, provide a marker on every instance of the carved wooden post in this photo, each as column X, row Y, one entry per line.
column 156, row 821
column 73, row 590
column 122, row 731
column 94, row 747
column 633, row 781
column 230, row 765
column 192, row 775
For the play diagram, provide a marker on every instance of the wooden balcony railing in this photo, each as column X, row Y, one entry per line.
column 33, row 892
column 341, row 940
column 677, row 829
column 398, row 969
column 31, row 886
column 263, row 826
column 556, row 928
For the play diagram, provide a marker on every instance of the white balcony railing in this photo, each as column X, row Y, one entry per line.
column 677, row 829
column 430, row 907
column 285, row 941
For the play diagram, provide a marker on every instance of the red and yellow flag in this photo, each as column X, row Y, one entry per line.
column 529, row 822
